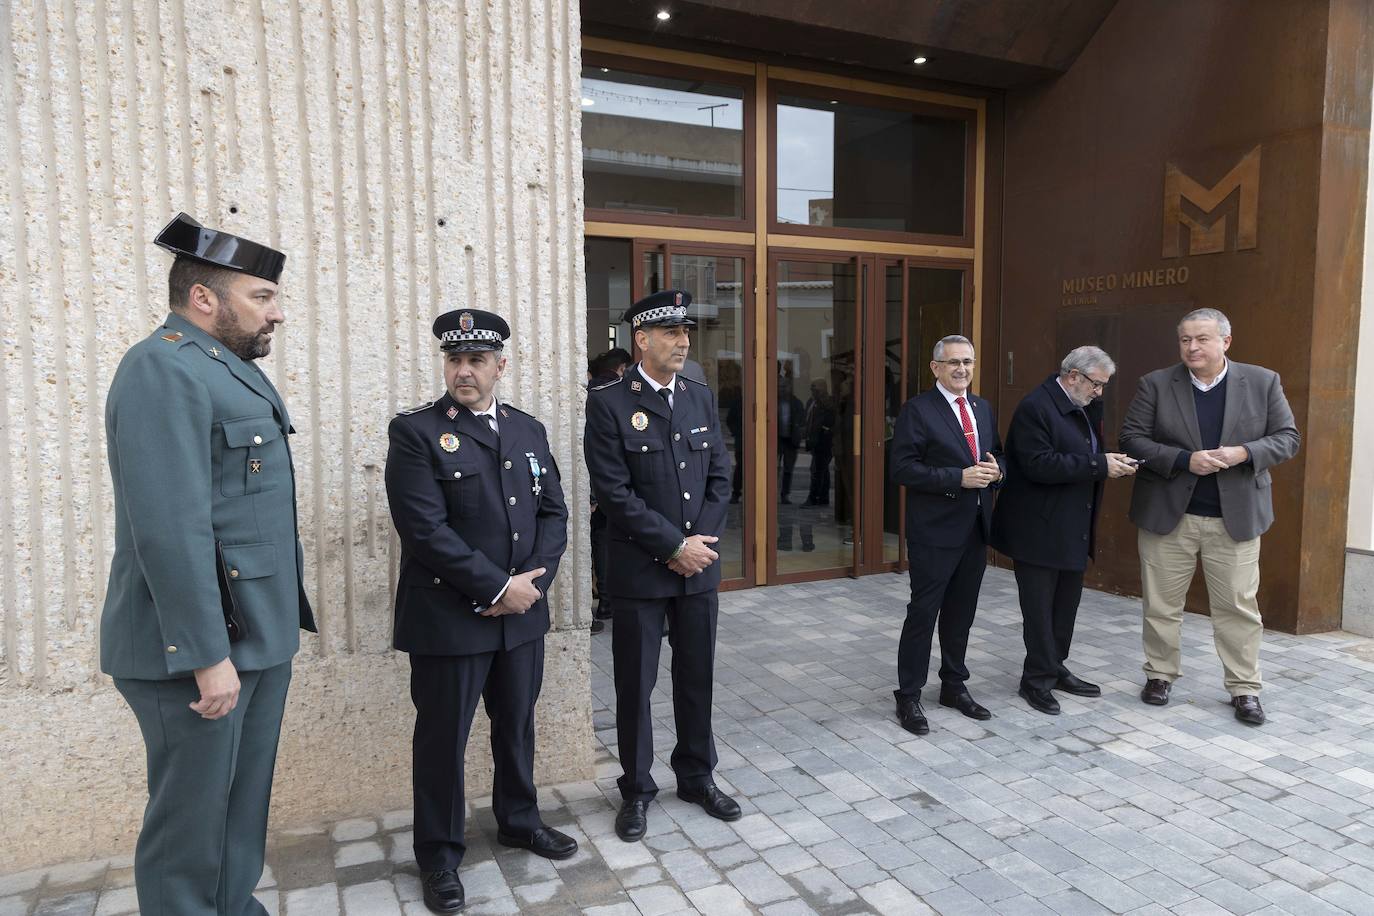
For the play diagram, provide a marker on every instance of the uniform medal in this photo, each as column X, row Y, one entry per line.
column 448, row 442
column 639, row 420
column 535, row 473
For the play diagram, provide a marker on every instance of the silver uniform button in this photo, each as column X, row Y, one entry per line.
column 257, row 440
column 686, row 495
column 515, row 537
column 172, row 649
column 681, row 465
column 644, row 448
column 457, row 474
column 512, row 570
column 677, row 436
column 689, row 526
column 508, row 465
column 512, row 500
column 437, row 582
column 233, row 573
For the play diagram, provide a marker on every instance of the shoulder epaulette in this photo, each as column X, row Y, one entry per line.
column 173, row 336
column 526, row 413
column 609, row 384
column 698, row 381
column 425, row 406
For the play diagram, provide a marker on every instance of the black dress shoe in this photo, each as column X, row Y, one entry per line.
column 1040, row 700
column 545, row 842
column 1155, row 692
column 965, row 704
column 912, row 716
column 632, row 820
column 1248, row 709
column 443, row 891
column 598, row 626
column 713, row 801
column 1077, row 686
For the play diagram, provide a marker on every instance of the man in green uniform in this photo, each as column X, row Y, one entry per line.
column 206, row 598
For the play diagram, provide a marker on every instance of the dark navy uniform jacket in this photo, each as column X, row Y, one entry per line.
column 929, row 454
column 469, row 519
column 659, row 476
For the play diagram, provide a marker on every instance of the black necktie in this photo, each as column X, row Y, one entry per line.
column 665, row 393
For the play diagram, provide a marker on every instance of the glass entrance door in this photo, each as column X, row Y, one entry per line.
column 814, row 406
column 721, row 282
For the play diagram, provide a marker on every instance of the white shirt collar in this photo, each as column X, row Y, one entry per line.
column 489, row 412
column 951, row 397
column 672, row 382
column 1225, row 365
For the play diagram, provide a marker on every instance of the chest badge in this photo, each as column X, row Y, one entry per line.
column 448, row 442
column 635, row 385
column 255, row 465
column 639, row 420
column 452, row 413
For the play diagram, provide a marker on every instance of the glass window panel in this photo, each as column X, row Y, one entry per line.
column 655, row 144
column 812, row 407
column 935, row 309
column 892, row 403
column 849, row 166
column 609, row 292
column 717, row 287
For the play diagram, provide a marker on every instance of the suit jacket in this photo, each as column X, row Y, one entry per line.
column 1047, row 508
column 1162, row 422
column 463, row 502
column 929, row 454
column 659, row 476
column 198, row 452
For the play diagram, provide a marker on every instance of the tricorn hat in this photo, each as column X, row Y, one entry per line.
column 186, row 238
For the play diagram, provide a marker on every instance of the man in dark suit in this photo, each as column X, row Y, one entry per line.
column 476, row 500
column 939, row 437
column 1046, row 518
column 661, row 474
column 820, row 424
column 1206, row 432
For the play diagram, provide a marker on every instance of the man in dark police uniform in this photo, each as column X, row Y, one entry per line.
column 206, row 598
column 476, row 500
column 661, row 475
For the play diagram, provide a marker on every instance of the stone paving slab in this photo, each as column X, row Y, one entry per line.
column 1112, row 807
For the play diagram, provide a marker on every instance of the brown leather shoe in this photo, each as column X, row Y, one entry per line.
column 1156, row 692
column 1248, row 709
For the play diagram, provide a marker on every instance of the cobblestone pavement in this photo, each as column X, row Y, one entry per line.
column 1111, row 807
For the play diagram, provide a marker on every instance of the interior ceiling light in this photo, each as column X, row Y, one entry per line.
column 605, row 69
column 919, row 60
column 664, row 15
column 587, row 103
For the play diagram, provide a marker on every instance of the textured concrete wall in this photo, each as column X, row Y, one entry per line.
column 410, row 157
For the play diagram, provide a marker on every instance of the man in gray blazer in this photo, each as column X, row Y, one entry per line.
column 206, row 598
column 1206, row 432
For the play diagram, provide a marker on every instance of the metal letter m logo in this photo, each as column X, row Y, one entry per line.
column 1207, row 233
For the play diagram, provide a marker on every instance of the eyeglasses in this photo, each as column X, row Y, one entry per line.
column 956, row 363
column 1097, row 386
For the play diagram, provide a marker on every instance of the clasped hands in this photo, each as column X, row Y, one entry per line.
column 520, row 594
column 695, row 555
column 982, row 474
column 1209, row 461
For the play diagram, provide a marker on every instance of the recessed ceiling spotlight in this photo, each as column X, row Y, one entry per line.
column 664, row 15
column 919, row 60
column 588, row 103
column 605, row 69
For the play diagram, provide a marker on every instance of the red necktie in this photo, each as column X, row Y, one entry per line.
column 969, row 436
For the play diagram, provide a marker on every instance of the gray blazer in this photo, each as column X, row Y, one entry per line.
column 1162, row 422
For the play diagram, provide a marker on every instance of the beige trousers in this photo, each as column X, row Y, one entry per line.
column 1167, row 563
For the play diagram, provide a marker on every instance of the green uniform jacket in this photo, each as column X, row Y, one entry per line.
column 198, row 454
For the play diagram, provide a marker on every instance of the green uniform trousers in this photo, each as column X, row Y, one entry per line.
column 209, row 785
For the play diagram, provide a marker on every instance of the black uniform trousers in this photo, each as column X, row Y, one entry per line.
column 944, row 590
column 1049, row 607
column 635, row 644
column 445, row 689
